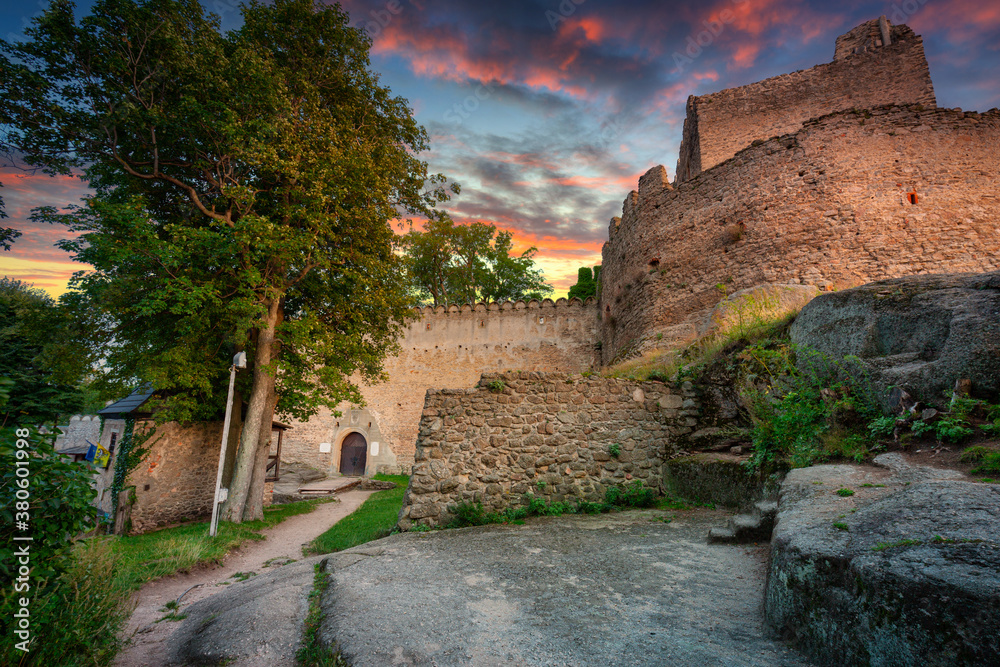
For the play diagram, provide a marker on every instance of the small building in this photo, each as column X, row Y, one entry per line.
column 175, row 480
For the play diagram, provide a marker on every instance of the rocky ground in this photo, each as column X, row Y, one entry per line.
column 151, row 636
column 631, row 588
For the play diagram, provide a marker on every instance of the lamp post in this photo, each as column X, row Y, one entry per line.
column 221, row 494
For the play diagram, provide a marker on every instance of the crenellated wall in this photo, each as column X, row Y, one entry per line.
column 827, row 205
column 449, row 347
column 865, row 73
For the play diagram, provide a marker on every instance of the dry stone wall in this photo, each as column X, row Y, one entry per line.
column 847, row 199
column 865, row 73
column 449, row 347
column 548, row 434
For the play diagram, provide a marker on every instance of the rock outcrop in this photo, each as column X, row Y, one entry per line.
column 921, row 333
column 902, row 568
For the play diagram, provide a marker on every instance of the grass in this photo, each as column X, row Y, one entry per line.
column 845, row 493
column 312, row 652
column 374, row 519
column 882, row 546
column 161, row 553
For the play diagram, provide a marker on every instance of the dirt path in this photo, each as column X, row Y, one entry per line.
column 284, row 543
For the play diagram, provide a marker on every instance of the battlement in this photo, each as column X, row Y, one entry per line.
column 847, row 198
column 874, row 64
column 494, row 307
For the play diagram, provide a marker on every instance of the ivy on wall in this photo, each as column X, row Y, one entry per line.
column 131, row 452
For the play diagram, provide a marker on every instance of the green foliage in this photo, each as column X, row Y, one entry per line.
column 805, row 407
column 57, row 508
column 990, row 463
column 882, row 427
column 586, row 283
column 633, row 495
column 244, row 187
column 312, row 652
column 375, row 518
column 459, row 264
column 630, row 495
column 952, row 428
column 29, row 319
column 845, row 493
column 496, row 386
column 882, row 546
column 614, row 449
column 77, row 617
column 840, row 525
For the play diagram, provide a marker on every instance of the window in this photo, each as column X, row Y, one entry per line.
column 912, row 197
column 111, row 445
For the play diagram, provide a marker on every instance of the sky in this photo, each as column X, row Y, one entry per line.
column 546, row 112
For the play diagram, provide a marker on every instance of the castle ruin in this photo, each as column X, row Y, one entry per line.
column 833, row 176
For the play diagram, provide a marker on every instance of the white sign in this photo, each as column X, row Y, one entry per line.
column 374, row 449
column 324, row 448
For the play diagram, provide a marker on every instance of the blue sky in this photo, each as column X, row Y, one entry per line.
column 547, row 111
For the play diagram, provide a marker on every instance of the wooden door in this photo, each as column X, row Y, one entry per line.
column 353, row 455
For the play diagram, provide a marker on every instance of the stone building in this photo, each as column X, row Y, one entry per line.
column 176, row 479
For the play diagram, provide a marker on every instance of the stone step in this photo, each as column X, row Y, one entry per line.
column 767, row 508
column 745, row 528
column 721, row 536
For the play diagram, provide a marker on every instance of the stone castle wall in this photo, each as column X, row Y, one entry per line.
column 828, row 205
column 449, row 347
column 548, row 434
column 865, row 73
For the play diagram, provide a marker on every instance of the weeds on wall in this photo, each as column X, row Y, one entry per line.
column 804, row 407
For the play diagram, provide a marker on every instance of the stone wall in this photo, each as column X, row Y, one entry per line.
column 830, row 205
column 865, row 73
column 549, row 434
column 448, row 347
column 177, row 478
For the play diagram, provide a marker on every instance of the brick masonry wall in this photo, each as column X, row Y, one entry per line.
column 548, row 434
column 721, row 124
column 449, row 347
column 826, row 205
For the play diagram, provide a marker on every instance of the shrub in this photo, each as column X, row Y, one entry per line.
column 58, row 508
column 990, row 464
column 630, row 495
column 76, row 616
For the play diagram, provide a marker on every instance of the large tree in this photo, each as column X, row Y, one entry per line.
column 30, row 394
column 244, row 187
column 456, row 264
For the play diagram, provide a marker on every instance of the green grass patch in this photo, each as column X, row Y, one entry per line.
column 840, row 525
column 161, row 553
column 845, row 493
column 990, row 463
column 882, row 546
column 312, row 652
column 374, row 519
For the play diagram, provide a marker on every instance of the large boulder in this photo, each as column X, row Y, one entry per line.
column 921, row 333
column 906, row 571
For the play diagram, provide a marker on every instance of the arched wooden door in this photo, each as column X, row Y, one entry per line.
column 353, row 455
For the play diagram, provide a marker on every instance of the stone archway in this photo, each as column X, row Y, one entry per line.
column 353, row 455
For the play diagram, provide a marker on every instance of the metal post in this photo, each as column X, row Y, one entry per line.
column 239, row 361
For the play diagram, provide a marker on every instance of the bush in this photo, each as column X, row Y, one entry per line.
column 77, row 616
column 630, row 495
column 57, row 508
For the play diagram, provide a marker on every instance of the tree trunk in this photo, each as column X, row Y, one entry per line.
column 254, row 507
column 259, row 411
